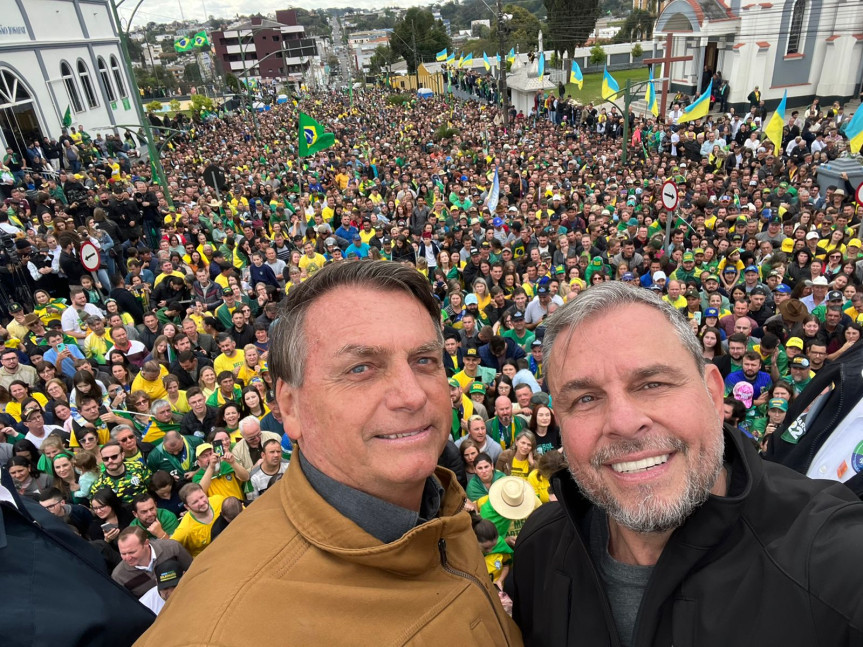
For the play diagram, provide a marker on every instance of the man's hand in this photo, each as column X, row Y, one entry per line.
column 156, row 530
column 229, row 458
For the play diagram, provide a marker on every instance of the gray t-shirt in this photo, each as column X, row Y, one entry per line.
column 624, row 583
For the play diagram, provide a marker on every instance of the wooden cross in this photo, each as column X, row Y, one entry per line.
column 666, row 62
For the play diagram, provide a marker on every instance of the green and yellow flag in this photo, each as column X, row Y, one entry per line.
column 312, row 137
column 201, row 39
column 183, row 44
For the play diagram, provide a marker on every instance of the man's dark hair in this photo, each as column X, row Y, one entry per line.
column 51, row 493
column 752, row 356
column 769, row 341
column 141, row 498
column 194, row 390
column 739, row 338
column 186, row 356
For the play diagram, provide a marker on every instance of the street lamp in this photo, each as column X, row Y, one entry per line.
column 155, row 158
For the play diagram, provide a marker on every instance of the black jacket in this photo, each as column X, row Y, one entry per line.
column 775, row 562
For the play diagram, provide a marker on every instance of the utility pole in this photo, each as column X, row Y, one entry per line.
column 416, row 55
column 501, row 37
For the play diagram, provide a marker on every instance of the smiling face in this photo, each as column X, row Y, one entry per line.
column 388, row 374
column 642, row 436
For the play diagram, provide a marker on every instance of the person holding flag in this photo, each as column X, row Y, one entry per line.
column 775, row 127
column 699, row 108
column 312, row 136
column 575, row 75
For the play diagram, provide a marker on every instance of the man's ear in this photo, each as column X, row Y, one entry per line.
column 288, row 398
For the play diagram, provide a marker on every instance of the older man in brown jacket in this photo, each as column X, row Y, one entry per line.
column 364, row 542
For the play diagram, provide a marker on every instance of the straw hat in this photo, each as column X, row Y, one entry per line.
column 512, row 497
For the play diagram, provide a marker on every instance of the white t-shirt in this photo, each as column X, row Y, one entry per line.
column 71, row 318
column 152, row 600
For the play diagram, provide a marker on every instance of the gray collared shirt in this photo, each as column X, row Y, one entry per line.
column 384, row 521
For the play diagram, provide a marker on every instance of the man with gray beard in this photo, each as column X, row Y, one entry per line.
column 670, row 529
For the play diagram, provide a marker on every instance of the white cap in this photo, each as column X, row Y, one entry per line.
column 812, row 235
column 659, row 276
column 820, row 280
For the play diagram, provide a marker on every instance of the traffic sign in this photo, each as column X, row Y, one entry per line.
column 858, row 194
column 669, row 195
column 89, row 256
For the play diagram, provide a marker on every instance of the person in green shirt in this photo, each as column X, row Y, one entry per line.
column 175, row 455
column 519, row 332
column 158, row 522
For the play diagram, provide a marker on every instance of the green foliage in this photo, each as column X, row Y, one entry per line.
column 570, row 22
column 192, row 73
column 159, row 77
column 637, row 51
column 597, row 55
column 154, row 106
column 460, row 14
column 521, row 30
column 383, row 57
column 316, row 22
column 232, row 82
column 637, row 26
column 174, row 104
column 398, row 99
column 418, row 26
column 200, row 101
column 444, row 132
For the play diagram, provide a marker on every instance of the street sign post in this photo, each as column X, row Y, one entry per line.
column 669, row 198
column 89, row 256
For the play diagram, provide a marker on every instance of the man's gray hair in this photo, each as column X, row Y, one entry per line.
column 247, row 421
column 158, row 404
column 287, row 356
column 119, row 429
column 600, row 299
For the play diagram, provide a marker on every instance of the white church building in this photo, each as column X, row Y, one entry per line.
column 59, row 54
column 811, row 48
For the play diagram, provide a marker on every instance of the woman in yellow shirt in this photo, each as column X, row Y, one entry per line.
column 207, row 381
column 194, row 531
column 20, row 393
column 253, row 402
column 177, row 397
column 480, row 291
column 519, row 459
column 540, row 478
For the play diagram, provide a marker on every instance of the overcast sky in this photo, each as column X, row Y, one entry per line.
column 161, row 11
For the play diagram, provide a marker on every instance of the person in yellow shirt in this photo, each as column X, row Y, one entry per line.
column 219, row 473
column 251, row 364
column 194, row 531
column 149, row 380
column 311, row 257
column 230, row 359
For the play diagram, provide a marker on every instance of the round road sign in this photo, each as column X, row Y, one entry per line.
column 89, row 257
column 669, row 195
column 858, row 194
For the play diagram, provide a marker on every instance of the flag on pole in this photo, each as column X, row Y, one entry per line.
column 312, row 138
column 575, row 75
column 67, row 118
column 540, row 65
column 486, row 62
column 610, row 87
column 774, row 127
column 494, row 196
column 450, row 58
column 201, row 39
column 183, row 44
column 698, row 108
column 650, row 96
column 511, row 56
column 441, row 55
column 854, row 131
column 467, row 60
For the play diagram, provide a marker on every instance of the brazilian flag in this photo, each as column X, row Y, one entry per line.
column 183, row 44
column 201, row 39
column 312, row 138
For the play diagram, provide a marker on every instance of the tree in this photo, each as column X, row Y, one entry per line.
column 521, row 30
column 154, row 106
column 638, row 25
column 383, row 57
column 232, row 82
column 192, row 73
column 637, row 51
column 418, row 26
column 174, row 104
column 597, row 55
column 570, row 22
column 199, row 101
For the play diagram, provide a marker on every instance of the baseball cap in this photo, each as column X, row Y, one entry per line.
column 659, row 276
column 518, row 316
column 801, row 361
column 812, row 235
column 497, row 222
column 778, row 403
column 751, row 268
column 471, row 300
column 711, row 277
column 202, row 448
column 477, row 387
column 730, row 269
column 688, row 256
column 536, row 343
column 834, row 295
column 855, row 242
column 691, row 293
column 452, row 382
column 794, row 342
column 758, row 290
column 358, row 237
column 227, row 291
column 15, row 307
column 330, row 241
column 711, row 312
column 471, row 352
column 560, row 269
column 784, row 289
column 628, row 276
column 542, row 289
column 168, row 574
column 474, row 251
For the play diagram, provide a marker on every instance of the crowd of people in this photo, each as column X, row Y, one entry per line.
column 137, row 402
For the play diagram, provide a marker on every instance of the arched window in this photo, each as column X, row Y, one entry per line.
column 118, row 76
column 105, row 79
column 796, row 29
column 87, row 84
column 71, row 87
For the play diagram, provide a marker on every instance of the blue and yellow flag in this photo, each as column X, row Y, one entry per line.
column 776, row 124
column 441, row 55
column 467, row 60
column 486, row 62
column 450, row 58
column 854, row 131
column 698, row 108
column 575, row 75
column 511, row 56
column 650, row 96
column 610, row 87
